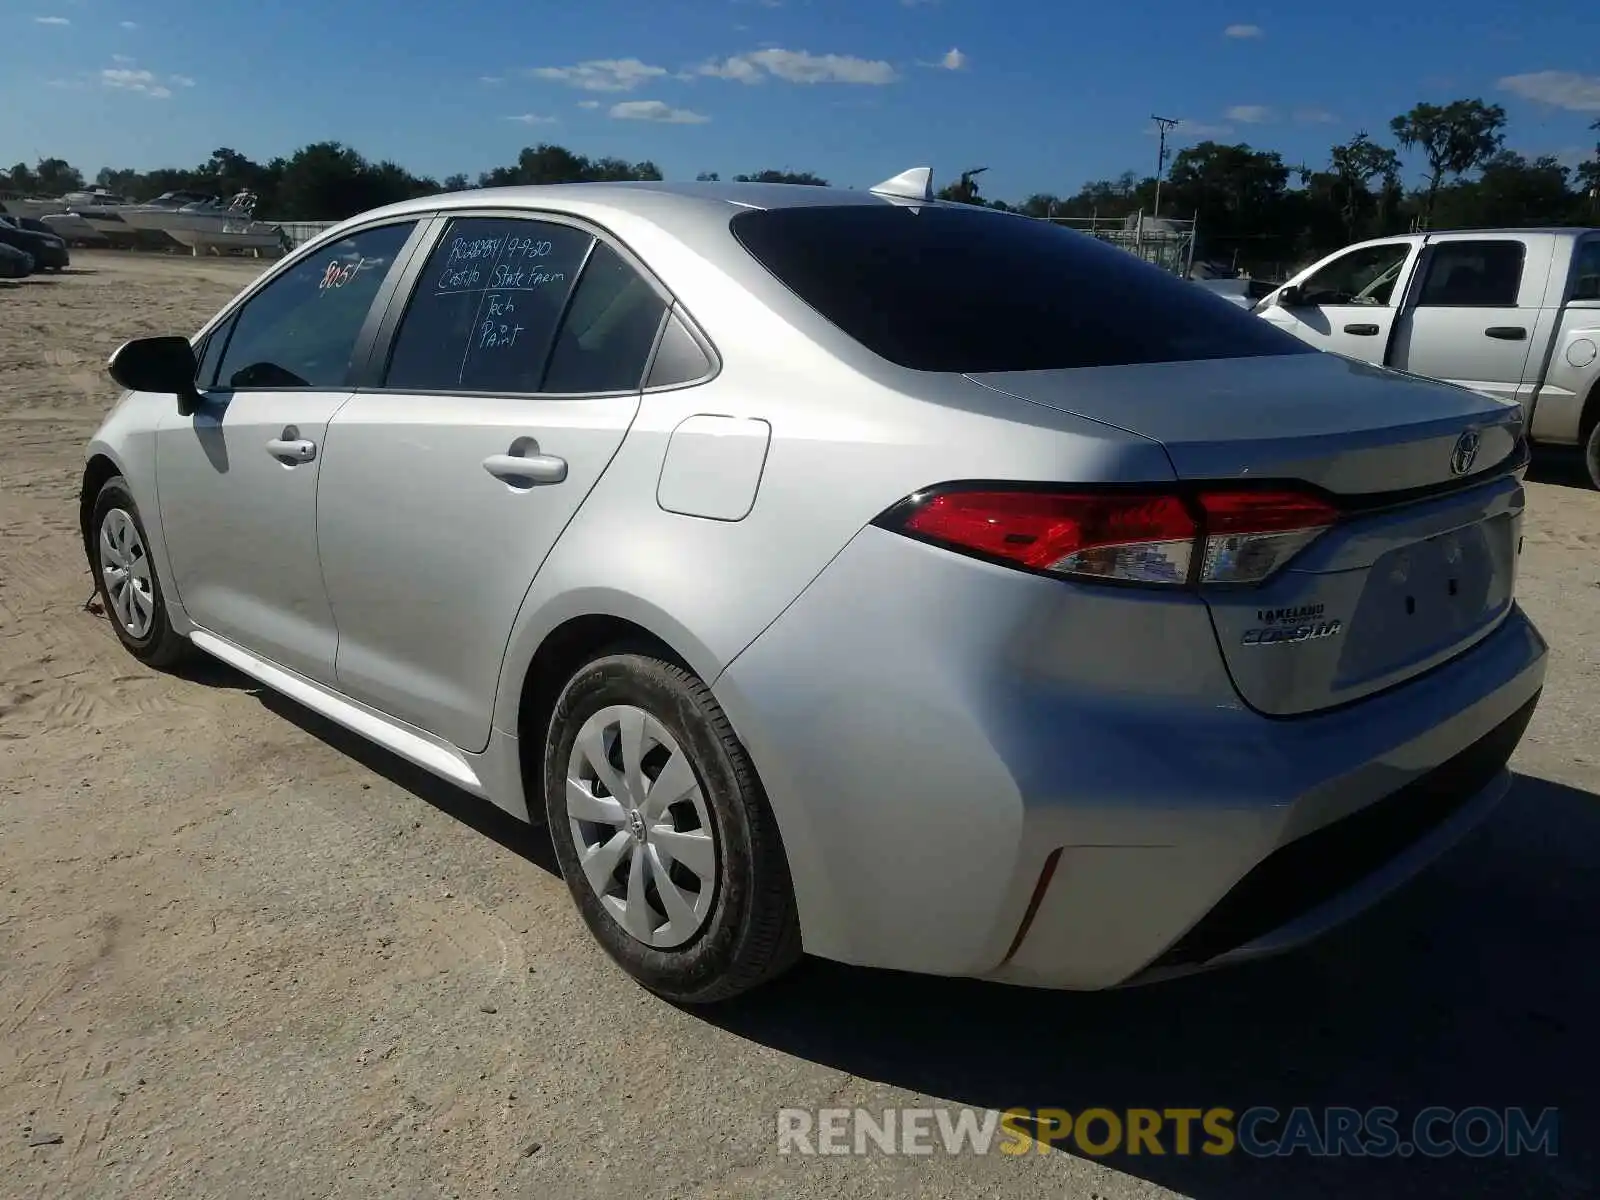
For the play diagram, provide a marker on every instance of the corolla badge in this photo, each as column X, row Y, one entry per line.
column 1465, row 452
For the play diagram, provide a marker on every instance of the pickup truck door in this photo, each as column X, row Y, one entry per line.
column 1472, row 315
column 1347, row 305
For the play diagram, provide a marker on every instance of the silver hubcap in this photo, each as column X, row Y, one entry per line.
column 126, row 568
column 640, row 826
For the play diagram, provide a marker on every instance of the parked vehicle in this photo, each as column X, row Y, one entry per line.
column 1514, row 313
column 14, row 263
column 832, row 574
column 49, row 251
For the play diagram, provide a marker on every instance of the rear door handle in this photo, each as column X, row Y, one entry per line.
column 526, row 469
column 1506, row 333
column 300, row 450
column 1362, row 330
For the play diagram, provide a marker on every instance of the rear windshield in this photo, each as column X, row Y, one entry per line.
column 958, row 289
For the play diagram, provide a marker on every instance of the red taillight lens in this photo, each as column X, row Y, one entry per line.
column 1144, row 538
column 1216, row 536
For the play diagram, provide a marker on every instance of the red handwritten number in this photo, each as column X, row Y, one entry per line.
column 337, row 276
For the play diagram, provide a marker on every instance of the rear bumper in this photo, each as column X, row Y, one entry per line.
column 987, row 774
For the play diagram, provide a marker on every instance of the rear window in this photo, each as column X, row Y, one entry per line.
column 963, row 290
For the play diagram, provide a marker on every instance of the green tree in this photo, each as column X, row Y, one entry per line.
column 1355, row 164
column 965, row 189
column 804, row 177
column 1454, row 138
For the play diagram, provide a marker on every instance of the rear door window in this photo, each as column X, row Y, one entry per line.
column 1472, row 274
column 608, row 331
column 486, row 308
column 1586, row 271
column 962, row 289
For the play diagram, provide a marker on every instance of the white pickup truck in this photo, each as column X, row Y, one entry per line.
column 1511, row 312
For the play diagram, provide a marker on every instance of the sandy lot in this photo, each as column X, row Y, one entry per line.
column 242, row 954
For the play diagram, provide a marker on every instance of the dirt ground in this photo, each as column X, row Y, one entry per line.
column 242, row 954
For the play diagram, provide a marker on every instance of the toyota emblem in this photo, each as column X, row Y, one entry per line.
column 1465, row 452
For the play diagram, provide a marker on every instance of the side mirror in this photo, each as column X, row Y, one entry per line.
column 1291, row 297
column 158, row 364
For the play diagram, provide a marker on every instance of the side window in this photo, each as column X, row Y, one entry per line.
column 1472, row 275
column 1586, row 271
column 679, row 358
column 609, row 330
column 1364, row 276
column 301, row 329
column 484, row 312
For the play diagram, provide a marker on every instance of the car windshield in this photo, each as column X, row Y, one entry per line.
column 956, row 289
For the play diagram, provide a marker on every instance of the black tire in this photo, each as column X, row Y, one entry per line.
column 751, row 934
column 158, row 646
column 1591, row 453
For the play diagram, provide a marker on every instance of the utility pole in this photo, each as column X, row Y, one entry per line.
column 1162, row 125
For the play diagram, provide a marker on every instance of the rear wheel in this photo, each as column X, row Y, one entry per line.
column 1591, row 454
column 664, row 835
column 126, row 579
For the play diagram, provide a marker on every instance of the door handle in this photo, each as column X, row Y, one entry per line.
column 1506, row 333
column 1362, row 330
column 300, row 450
column 526, row 469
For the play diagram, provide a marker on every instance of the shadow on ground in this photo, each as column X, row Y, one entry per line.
column 1560, row 466
column 1476, row 985
column 1473, row 986
column 526, row 841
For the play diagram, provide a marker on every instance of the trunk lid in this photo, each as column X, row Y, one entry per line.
column 1421, row 568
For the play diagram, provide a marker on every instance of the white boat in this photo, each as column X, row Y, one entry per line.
column 32, row 206
column 206, row 223
column 72, row 227
column 103, row 210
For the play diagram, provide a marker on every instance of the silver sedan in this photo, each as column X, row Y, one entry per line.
column 843, row 572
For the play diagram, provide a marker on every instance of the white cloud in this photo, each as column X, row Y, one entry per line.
column 799, row 66
column 124, row 59
column 1314, row 116
column 532, row 119
column 1560, row 89
column 602, row 74
column 656, row 110
column 1244, row 31
column 180, row 81
column 954, row 60
column 491, row 80
column 1250, row 114
column 588, row 104
column 143, row 82
column 51, row 21
column 129, row 24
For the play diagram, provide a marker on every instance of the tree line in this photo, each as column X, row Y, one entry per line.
column 1252, row 207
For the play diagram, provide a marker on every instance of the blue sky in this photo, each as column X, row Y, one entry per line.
column 1045, row 94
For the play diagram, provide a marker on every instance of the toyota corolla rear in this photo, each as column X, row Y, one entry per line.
column 1077, row 727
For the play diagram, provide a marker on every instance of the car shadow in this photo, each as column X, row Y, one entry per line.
column 1475, row 985
column 30, row 281
column 527, row 841
column 1559, row 465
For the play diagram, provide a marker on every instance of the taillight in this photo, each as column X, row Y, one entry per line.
column 1209, row 536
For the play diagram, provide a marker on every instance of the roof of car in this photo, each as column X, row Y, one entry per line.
column 678, row 205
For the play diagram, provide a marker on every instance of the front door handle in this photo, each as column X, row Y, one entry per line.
column 1362, row 330
column 526, row 470
column 1506, row 333
column 294, row 449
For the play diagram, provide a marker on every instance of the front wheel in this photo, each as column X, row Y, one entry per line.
column 1591, row 454
column 119, row 554
column 664, row 836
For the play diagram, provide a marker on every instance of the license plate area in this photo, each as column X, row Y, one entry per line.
column 1422, row 598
